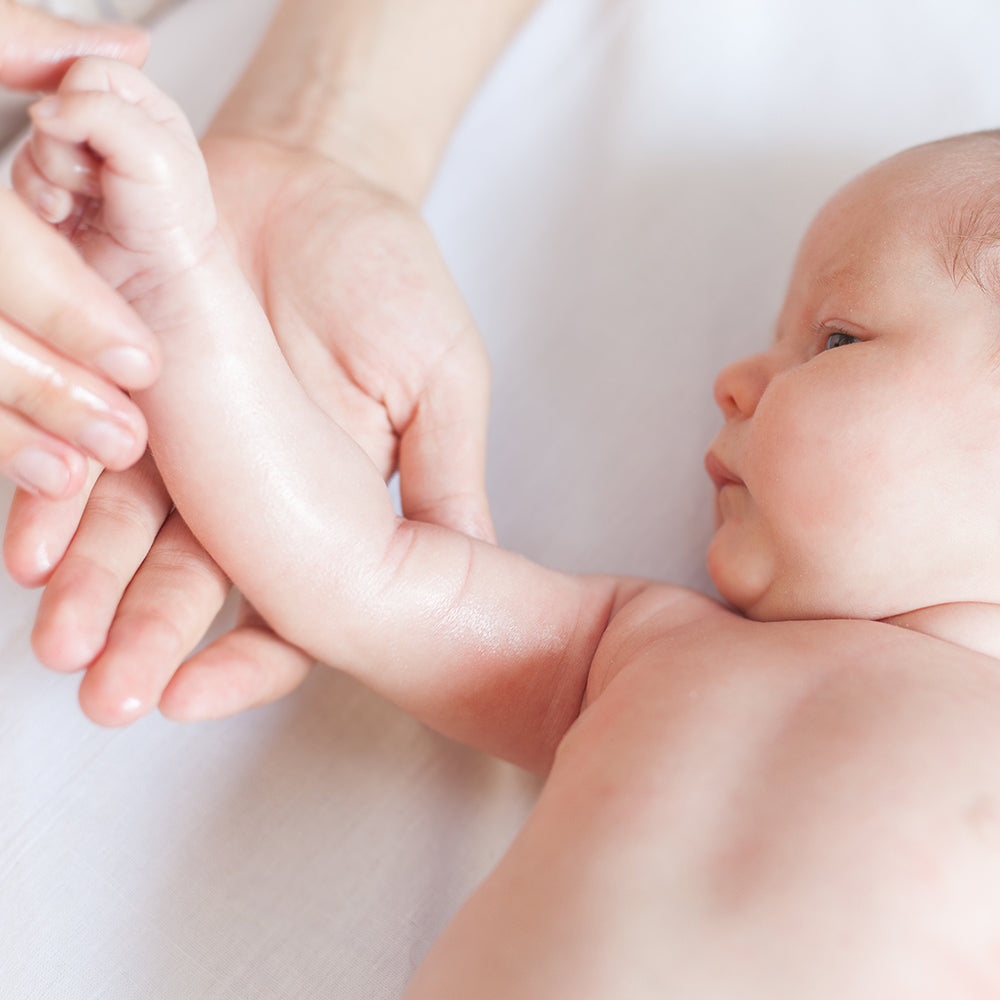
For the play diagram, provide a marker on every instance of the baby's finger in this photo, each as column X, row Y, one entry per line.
column 125, row 82
column 99, row 101
column 39, row 531
column 119, row 525
column 68, row 401
column 52, row 203
column 38, row 462
column 245, row 668
column 165, row 612
column 69, row 167
column 101, row 120
column 47, row 291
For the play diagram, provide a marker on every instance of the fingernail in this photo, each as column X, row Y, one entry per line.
column 108, row 442
column 54, row 206
column 43, row 560
column 47, row 107
column 41, row 472
column 129, row 709
column 130, row 367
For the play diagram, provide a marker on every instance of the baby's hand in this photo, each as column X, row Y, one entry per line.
column 115, row 165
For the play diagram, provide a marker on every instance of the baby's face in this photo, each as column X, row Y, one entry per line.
column 858, row 471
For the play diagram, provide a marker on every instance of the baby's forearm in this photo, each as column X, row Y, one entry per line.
column 479, row 643
column 264, row 478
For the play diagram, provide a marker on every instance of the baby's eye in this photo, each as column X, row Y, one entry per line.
column 839, row 339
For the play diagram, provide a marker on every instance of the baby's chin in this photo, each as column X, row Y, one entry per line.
column 744, row 585
column 773, row 597
column 778, row 604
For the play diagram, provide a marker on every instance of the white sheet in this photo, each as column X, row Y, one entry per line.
column 621, row 206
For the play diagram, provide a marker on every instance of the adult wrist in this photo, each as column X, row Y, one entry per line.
column 345, row 127
column 377, row 85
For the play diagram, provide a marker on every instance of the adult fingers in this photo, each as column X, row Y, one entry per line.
column 47, row 291
column 165, row 612
column 442, row 449
column 68, row 401
column 36, row 48
column 38, row 532
column 119, row 525
column 38, row 462
column 247, row 667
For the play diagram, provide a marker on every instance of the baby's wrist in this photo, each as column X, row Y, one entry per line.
column 186, row 295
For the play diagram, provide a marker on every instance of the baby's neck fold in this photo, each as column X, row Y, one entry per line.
column 974, row 626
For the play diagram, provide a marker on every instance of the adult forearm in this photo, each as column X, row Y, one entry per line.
column 378, row 84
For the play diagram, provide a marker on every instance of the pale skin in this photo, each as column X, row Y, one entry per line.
column 68, row 345
column 320, row 158
column 802, row 806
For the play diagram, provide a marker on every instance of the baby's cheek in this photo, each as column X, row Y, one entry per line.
column 807, row 455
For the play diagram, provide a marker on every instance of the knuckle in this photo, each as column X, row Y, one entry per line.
column 191, row 567
column 83, row 579
column 154, row 631
column 126, row 512
column 40, row 394
column 61, row 319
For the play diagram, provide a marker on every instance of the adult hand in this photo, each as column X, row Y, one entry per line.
column 372, row 324
column 368, row 317
column 68, row 343
column 36, row 48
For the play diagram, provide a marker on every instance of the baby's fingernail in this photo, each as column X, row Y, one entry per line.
column 130, row 367
column 129, row 710
column 41, row 472
column 54, row 206
column 108, row 442
column 43, row 560
column 47, row 107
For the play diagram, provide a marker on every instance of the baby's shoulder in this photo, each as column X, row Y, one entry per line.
column 646, row 616
column 669, row 635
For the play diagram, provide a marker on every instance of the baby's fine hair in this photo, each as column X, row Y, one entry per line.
column 967, row 182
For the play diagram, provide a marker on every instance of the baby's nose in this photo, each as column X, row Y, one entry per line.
column 739, row 386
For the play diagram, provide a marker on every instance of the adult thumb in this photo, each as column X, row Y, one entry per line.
column 442, row 451
column 36, row 48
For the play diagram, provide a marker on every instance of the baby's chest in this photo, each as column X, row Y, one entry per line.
column 756, row 792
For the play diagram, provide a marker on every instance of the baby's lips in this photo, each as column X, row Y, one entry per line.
column 719, row 472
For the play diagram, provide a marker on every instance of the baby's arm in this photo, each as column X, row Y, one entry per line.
column 483, row 645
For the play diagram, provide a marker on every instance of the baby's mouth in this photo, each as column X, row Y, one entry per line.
column 722, row 476
column 720, row 473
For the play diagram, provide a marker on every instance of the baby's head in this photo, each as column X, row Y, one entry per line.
column 858, row 472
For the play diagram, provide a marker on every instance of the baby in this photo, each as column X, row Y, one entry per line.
column 799, row 801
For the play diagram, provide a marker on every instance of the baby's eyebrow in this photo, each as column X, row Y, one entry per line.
column 833, row 277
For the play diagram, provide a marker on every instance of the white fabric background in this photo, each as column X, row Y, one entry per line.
column 621, row 206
